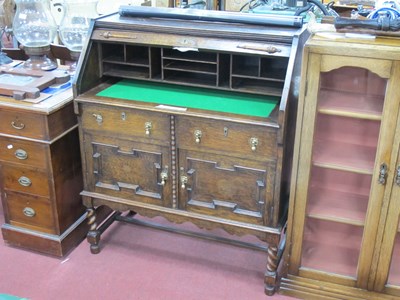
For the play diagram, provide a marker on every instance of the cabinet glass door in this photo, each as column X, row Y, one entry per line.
column 347, row 125
column 388, row 267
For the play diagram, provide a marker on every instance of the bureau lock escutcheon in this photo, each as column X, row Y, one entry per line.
column 147, row 128
column 197, row 136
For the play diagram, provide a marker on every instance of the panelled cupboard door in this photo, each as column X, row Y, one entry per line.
column 347, row 116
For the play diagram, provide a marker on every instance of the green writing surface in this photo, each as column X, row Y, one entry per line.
column 192, row 97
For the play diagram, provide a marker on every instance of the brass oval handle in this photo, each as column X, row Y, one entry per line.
column 197, row 136
column 29, row 212
column 24, row 181
column 147, row 127
column 17, row 126
column 253, row 143
column 21, row 154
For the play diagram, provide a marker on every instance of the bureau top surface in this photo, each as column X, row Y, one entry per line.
column 229, row 28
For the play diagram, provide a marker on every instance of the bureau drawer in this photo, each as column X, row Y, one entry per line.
column 25, row 180
column 23, row 152
column 150, row 126
column 29, row 211
column 253, row 141
column 23, row 124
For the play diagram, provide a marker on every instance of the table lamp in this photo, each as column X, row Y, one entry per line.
column 35, row 28
column 74, row 26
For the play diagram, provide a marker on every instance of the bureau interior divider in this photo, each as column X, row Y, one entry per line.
column 245, row 73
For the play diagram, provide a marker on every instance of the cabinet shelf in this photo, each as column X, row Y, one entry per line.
column 344, row 156
column 338, row 206
column 119, row 61
column 350, row 104
column 331, row 247
column 189, row 66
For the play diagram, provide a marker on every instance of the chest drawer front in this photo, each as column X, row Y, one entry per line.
column 23, row 152
column 253, row 141
column 25, row 180
column 150, row 126
column 23, row 124
column 29, row 211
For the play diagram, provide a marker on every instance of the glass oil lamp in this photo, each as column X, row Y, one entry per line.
column 74, row 27
column 35, row 29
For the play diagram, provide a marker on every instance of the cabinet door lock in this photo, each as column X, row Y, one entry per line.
column 164, row 176
column 184, row 180
column 382, row 173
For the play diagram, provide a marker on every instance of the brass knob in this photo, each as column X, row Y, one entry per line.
column 253, row 143
column 184, row 181
column 148, row 126
column 197, row 136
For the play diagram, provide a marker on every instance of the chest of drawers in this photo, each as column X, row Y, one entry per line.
column 41, row 175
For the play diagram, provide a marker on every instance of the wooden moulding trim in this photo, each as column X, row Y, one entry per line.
column 53, row 237
column 107, row 200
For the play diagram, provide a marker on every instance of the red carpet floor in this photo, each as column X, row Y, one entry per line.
column 137, row 263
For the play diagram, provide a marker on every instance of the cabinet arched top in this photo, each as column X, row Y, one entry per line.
column 381, row 67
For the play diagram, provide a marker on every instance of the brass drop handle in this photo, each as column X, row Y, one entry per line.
column 19, row 126
column 398, row 176
column 21, row 154
column 184, row 181
column 29, row 212
column 253, row 143
column 197, row 136
column 24, row 181
column 382, row 173
column 99, row 118
column 164, row 176
column 147, row 127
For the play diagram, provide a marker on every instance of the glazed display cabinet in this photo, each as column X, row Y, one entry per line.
column 343, row 228
column 190, row 120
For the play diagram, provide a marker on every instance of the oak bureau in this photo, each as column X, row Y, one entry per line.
column 190, row 119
